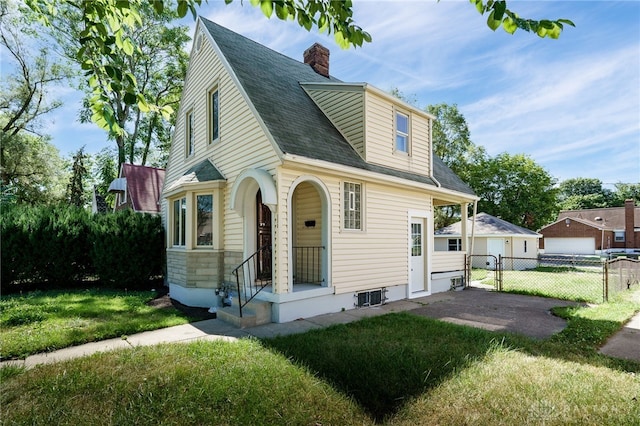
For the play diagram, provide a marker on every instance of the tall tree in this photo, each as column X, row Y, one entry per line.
column 158, row 66
column 584, row 193
column 23, row 93
column 105, row 170
column 451, row 136
column 627, row 191
column 106, row 25
column 32, row 171
column 514, row 188
column 79, row 174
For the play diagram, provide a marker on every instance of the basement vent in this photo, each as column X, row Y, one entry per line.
column 457, row 283
column 370, row 298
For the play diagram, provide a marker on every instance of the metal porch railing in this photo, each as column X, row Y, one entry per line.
column 253, row 275
column 307, row 265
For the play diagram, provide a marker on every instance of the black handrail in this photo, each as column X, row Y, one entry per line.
column 256, row 275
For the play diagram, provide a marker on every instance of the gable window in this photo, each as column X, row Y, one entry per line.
column 179, row 221
column 352, row 205
column 402, row 132
column 214, row 116
column 455, row 244
column 190, row 137
column 204, row 220
column 619, row 236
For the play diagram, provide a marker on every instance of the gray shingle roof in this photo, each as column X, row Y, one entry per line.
column 487, row 225
column 272, row 83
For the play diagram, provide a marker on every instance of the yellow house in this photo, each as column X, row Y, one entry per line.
column 309, row 194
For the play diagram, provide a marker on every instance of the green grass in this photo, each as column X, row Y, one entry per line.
column 43, row 321
column 580, row 284
column 394, row 369
column 212, row 383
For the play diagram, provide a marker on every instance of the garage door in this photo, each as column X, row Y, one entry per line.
column 569, row 245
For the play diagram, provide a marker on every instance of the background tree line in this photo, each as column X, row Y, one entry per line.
column 129, row 59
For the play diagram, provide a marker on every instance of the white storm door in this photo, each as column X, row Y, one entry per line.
column 495, row 247
column 417, row 245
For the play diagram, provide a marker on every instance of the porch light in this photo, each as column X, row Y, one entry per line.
column 567, row 221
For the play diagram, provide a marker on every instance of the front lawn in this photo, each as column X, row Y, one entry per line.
column 42, row 321
column 393, row 369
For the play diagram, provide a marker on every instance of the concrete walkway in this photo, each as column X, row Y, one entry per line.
column 489, row 310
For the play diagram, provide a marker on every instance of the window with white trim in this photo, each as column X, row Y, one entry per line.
column 352, row 210
column 190, row 139
column 618, row 236
column 402, row 132
column 214, row 115
column 179, row 227
column 454, row 244
column 204, row 220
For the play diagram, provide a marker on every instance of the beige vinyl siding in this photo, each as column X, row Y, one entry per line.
column 307, row 207
column 243, row 142
column 345, row 109
column 378, row 255
column 446, row 261
column 380, row 137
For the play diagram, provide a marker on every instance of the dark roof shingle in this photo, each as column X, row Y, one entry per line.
column 272, row 83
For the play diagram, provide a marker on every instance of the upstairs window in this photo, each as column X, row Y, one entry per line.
column 352, row 206
column 619, row 236
column 214, row 116
column 402, row 132
column 190, row 137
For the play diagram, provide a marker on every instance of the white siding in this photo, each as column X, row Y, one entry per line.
column 243, row 142
column 377, row 256
column 380, row 137
column 446, row 261
column 345, row 109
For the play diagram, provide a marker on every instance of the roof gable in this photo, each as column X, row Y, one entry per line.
column 611, row 217
column 488, row 225
column 272, row 82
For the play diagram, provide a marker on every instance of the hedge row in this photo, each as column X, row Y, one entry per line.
column 59, row 244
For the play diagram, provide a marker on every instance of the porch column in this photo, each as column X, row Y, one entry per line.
column 464, row 231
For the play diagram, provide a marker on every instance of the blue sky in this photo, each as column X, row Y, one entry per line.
column 572, row 104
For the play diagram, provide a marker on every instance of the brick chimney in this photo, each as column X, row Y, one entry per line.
column 629, row 206
column 318, row 57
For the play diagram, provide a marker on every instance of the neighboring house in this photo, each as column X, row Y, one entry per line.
column 493, row 237
column 138, row 188
column 593, row 230
column 325, row 188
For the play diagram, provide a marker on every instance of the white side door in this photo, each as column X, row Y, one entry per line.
column 417, row 255
column 495, row 247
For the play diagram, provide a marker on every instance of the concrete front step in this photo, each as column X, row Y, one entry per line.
column 256, row 312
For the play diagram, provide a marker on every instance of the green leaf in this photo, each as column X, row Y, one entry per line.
column 479, row 6
column 566, row 21
column 509, row 25
column 499, row 9
column 267, row 8
column 130, row 98
column 282, row 12
column 183, row 7
column 493, row 23
column 127, row 47
column 143, row 106
column 158, row 6
column 340, row 40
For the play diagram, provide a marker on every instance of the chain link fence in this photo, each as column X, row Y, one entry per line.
column 562, row 277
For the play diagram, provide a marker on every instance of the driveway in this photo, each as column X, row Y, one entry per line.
column 494, row 311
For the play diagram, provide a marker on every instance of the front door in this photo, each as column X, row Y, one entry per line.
column 417, row 255
column 263, row 214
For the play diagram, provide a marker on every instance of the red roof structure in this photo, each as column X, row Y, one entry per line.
column 139, row 188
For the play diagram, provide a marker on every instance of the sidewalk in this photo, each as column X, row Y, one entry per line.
column 212, row 329
column 483, row 309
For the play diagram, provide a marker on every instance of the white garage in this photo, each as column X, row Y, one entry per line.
column 583, row 245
